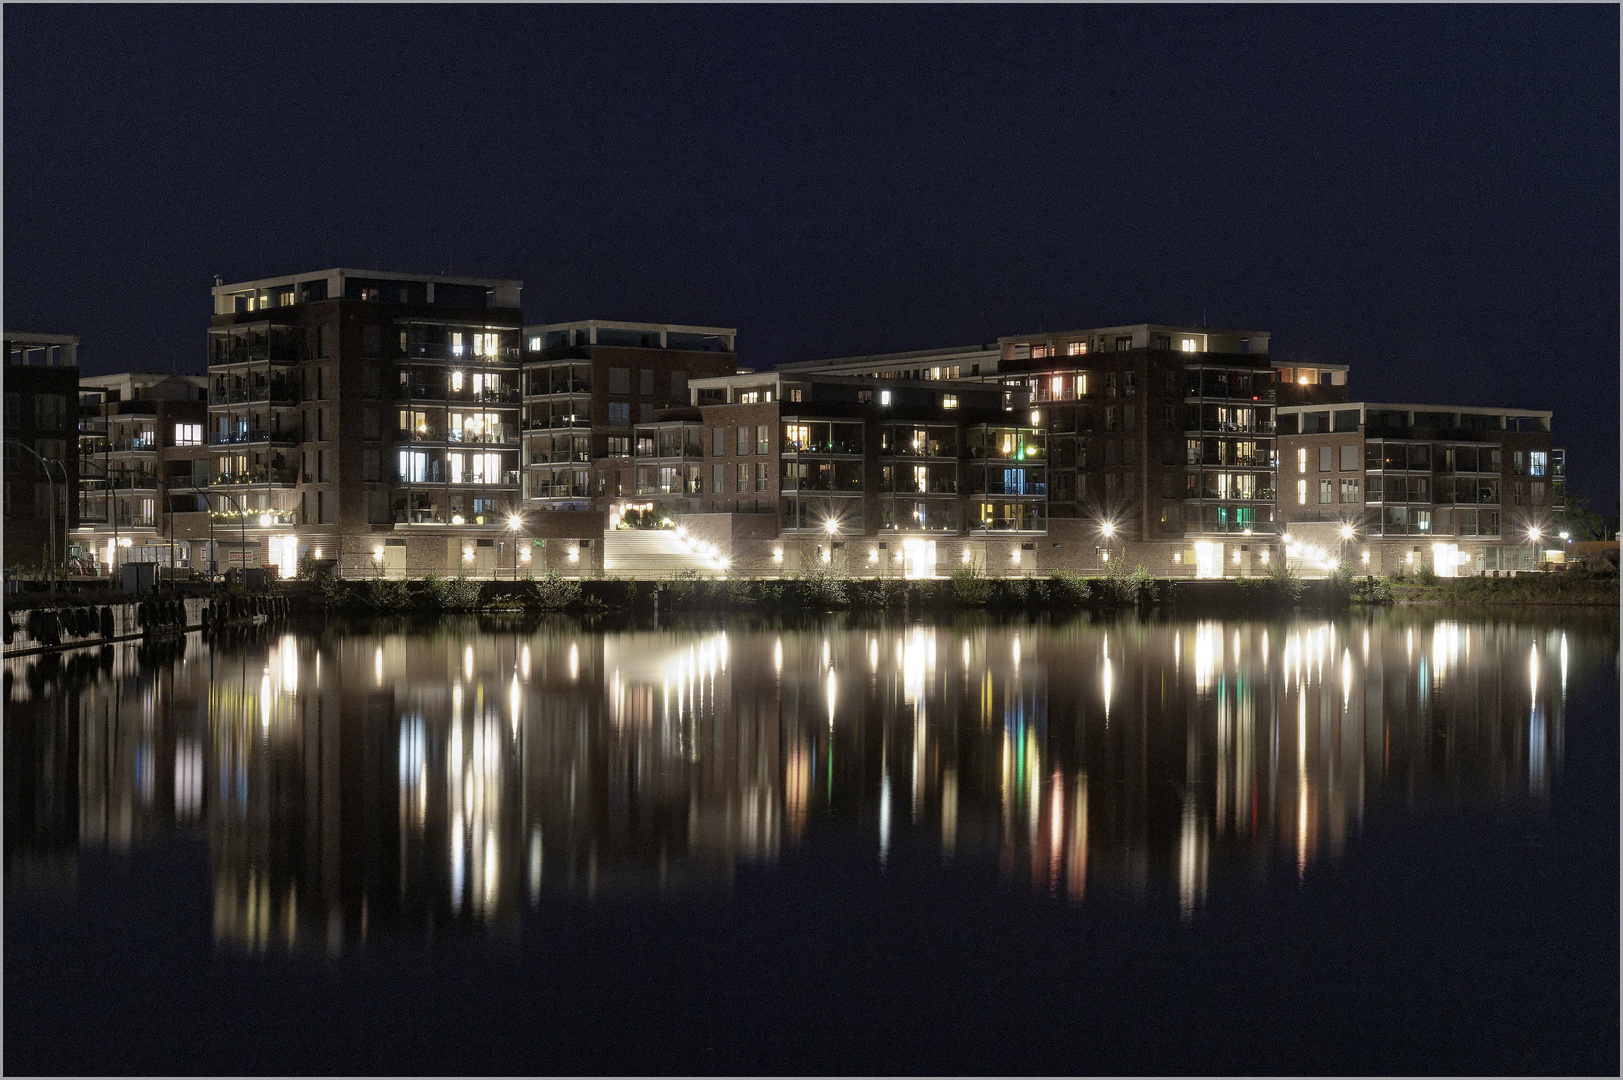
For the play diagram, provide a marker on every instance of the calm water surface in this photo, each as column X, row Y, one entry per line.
column 1360, row 844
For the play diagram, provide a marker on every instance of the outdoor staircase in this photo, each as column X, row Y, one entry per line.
column 650, row 554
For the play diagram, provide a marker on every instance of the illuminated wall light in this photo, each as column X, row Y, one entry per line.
column 873, row 555
column 777, row 555
column 574, row 554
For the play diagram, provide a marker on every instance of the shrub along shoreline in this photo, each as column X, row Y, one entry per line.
column 817, row 589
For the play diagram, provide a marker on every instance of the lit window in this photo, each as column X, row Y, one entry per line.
column 1076, row 348
column 1188, row 344
column 456, row 376
column 535, row 344
column 884, row 397
column 1301, row 493
column 949, row 401
column 188, row 434
column 456, row 344
column 1301, row 460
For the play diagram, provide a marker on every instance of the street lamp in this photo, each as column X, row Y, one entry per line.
column 514, row 521
column 50, row 518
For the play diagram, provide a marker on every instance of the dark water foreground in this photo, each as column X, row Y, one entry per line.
column 1367, row 844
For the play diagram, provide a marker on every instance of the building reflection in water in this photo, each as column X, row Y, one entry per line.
column 432, row 781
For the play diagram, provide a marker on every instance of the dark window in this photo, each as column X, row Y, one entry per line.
column 645, row 382
column 619, row 380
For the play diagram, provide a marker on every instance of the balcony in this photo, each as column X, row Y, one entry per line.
column 503, row 435
column 282, row 353
column 283, row 436
column 554, row 423
column 442, row 392
column 559, row 491
column 416, row 352
column 562, row 387
column 436, row 475
column 843, row 446
column 278, row 392
column 286, row 477
column 133, row 481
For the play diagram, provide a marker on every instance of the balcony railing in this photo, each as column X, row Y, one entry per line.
column 440, row 353
column 443, row 392
column 233, row 438
column 436, row 475
column 546, row 423
column 562, row 387
column 503, row 435
column 560, row 491
column 258, row 476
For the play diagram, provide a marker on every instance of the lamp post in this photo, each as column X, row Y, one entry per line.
column 514, row 521
column 242, row 519
column 1107, row 529
column 50, row 518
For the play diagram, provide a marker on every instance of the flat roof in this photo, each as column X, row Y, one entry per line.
column 144, row 378
column 613, row 324
column 893, row 357
column 382, row 275
column 1472, row 410
column 1319, row 365
column 1016, row 339
column 18, row 337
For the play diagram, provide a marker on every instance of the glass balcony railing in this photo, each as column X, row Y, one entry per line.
column 276, row 435
column 257, row 476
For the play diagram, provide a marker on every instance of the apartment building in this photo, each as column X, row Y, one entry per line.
column 143, row 465
column 1391, row 487
column 588, row 384
column 1160, row 440
column 866, row 474
column 42, row 452
column 368, row 417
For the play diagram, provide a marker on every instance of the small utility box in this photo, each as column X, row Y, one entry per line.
column 253, row 579
column 139, row 577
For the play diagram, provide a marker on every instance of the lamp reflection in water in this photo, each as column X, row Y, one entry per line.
column 578, row 750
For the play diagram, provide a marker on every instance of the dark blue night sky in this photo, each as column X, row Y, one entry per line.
column 1428, row 194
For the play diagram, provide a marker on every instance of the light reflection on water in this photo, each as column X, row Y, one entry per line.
column 350, row 782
